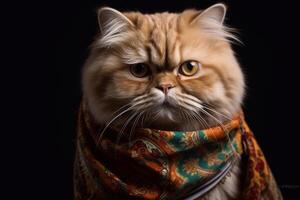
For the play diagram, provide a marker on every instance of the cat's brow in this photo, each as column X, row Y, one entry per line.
column 162, row 43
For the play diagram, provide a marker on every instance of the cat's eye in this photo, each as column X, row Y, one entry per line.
column 189, row 68
column 139, row 70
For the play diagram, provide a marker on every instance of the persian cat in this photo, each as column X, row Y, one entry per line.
column 166, row 71
column 174, row 71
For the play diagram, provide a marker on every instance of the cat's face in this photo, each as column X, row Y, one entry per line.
column 167, row 71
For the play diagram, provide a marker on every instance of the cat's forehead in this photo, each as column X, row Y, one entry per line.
column 161, row 35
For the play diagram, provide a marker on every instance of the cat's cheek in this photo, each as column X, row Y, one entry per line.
column 121, row 88
column 216, row 93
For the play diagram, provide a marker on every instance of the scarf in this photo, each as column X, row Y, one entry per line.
column 159, row 164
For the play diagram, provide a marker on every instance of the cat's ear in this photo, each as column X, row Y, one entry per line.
column 211, row 21
column 113, row 24
column 215, row 13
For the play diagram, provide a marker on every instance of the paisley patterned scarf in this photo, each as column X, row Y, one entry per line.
column 157, row 164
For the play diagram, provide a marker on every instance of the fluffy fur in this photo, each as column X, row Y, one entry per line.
column 163, row 41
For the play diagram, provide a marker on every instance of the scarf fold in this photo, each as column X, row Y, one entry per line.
column 158, row 164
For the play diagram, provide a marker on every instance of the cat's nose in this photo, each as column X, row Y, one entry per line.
column 165, row 88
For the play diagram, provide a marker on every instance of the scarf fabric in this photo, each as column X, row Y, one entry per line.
column 157, row 164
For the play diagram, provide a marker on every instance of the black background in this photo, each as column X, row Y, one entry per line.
column 50, row 43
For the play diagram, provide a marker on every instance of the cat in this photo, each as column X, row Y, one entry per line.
column 166, row 71
column 162, row 46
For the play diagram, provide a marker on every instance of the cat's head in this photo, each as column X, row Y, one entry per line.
column 164, row 70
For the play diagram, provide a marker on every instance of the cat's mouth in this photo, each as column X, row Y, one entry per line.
column 167, row 110
column 167, row 103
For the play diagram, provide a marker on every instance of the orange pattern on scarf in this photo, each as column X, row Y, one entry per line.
column 97, row 178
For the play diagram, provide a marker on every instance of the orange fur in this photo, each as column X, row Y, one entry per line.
column 163, row 41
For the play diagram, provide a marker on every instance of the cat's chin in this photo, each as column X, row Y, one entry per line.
column 169, row 125
column 167, row 111
column 168, row 118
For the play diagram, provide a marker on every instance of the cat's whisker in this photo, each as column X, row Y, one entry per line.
column 211, row 108
column 184, row 115
column 137, row 109
column 201, row 106
column 190, row 97
column 134, row 126
column 141, row 102
column 201, row 119
column 207, row 125
column 189, row 105
column 120, row 134
column 119, row 109
column 144, row 117
column 156, row 114
column 196, row 120
column 193, row 117
column 116, row 117
column 185, row 112
column 111, row 121
column 142, row 97
column 199, row 103
column 223, row 127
